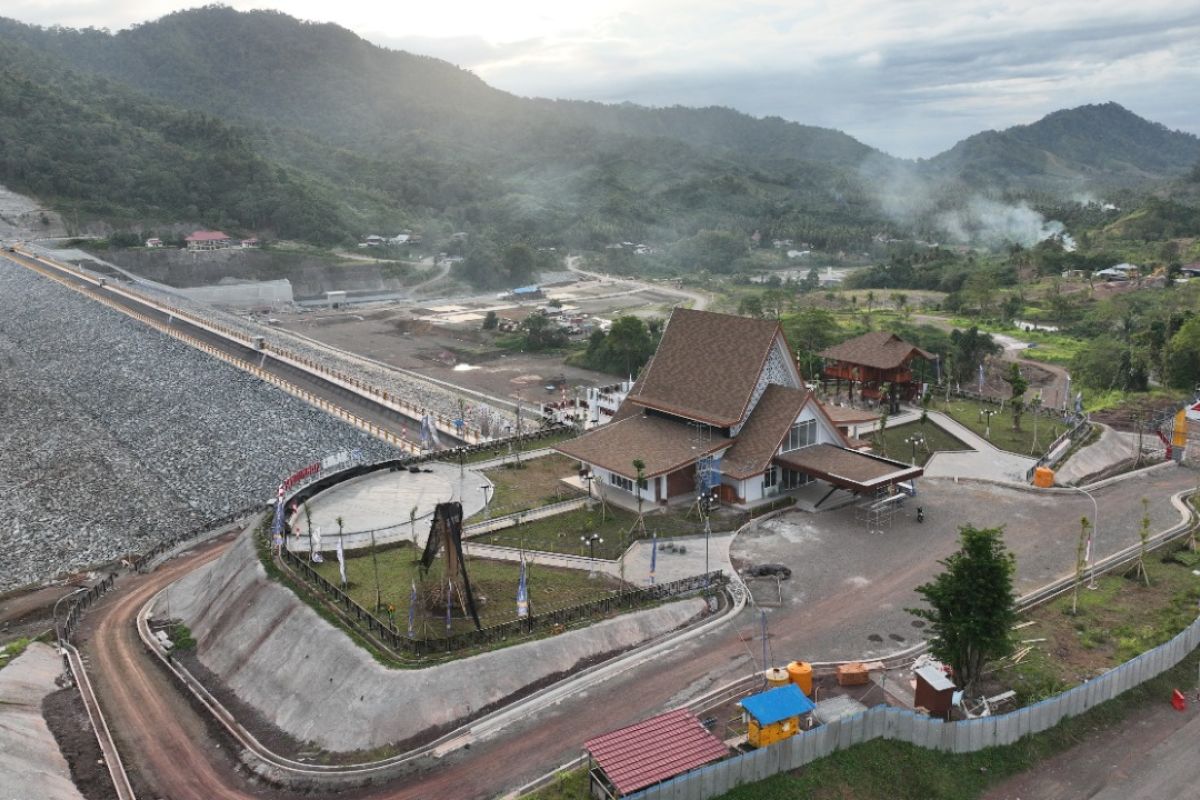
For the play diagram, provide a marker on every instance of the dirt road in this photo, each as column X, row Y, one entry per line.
column 699, row 300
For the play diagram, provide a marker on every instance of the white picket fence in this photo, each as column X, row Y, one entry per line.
column 883, row 722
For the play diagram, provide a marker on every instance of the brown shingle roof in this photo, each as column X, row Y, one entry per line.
column 843, row 415
column 655, row 749
column 707, row 365
column 848, row 469
column 762, row 434
column 665, row 445
column 877, row 349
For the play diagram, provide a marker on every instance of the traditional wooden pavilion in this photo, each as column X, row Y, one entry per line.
column 872, row 361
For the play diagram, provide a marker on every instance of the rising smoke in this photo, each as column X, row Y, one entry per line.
column 925, row 205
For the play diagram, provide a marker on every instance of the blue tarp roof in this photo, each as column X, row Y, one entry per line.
column 776, row 704
column 527, row 290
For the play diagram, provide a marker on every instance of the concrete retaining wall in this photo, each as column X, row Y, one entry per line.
column 308, row 679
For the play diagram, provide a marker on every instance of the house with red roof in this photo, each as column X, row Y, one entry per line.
column 721, row 408
column 208, row 240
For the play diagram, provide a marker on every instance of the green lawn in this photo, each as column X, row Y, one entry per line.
column 561, row 533
column 1116, row 621
column 493, row 582
column 530, row 443
column 537, row 483
column 1000, row 430
column 895, row 442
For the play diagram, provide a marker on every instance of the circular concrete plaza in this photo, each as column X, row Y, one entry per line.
column 384, row 500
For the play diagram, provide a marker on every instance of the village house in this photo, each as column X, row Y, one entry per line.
column 154, row 242
column 208, row 240
column 721, row 407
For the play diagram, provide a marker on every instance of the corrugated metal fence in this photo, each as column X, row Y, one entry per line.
column 883, row 722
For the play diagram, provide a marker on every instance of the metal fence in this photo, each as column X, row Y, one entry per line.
column 398, row 641
column 883, row 722
column 1055, row 452
column 80, row 603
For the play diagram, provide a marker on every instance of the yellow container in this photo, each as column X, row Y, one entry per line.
column 777, row 676
column 1043, row 477
column 801, row 674
column 765, row 735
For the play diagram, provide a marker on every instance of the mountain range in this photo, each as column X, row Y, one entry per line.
column 260, row 122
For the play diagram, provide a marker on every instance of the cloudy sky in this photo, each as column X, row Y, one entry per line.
column 908, row 76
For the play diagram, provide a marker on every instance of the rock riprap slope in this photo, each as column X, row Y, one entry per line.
column 116, row 436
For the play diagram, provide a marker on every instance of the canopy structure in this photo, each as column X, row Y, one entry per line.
column 654, row 750
column 847, row 469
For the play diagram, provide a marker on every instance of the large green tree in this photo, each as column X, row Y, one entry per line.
column 1183, row 359
column 971, row 606
column 1019, row 386
column 968, row 350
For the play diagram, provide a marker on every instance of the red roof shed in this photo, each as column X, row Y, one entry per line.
column 654, row 750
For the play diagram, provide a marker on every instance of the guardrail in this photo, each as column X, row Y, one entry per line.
column 80, row 603
column 399, row 643
column 444, row 422
column 1053, row 455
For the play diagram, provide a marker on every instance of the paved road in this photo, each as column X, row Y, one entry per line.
column 174, row 754
column 1149, row 755
column 362, row 407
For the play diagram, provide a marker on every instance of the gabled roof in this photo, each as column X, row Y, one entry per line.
column 762, row 434
column 877, row 349
column 707, row 365
column 207, row 236
column 777, row 704
column 665, row 445
column 653, row 750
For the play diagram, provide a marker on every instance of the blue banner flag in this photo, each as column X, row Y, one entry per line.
column 653, row 554
column 412, row 610
column 522, row 593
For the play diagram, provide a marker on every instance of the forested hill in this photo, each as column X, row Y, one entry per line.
column 1103, row 144
column 262, row 123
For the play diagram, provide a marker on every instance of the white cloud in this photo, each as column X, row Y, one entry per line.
column 909, row 77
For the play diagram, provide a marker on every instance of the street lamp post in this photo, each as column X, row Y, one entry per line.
column 914, row 440
column 1095, row 532
column 591, row 541
column 487, row 487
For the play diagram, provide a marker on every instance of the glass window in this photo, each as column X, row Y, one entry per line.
column 620, row 481
column 802, row 434
column 770, row 477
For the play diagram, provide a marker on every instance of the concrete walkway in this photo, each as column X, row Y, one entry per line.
column 31, row 765
column 1110, row 449
column 673, row 566
column 984, row 460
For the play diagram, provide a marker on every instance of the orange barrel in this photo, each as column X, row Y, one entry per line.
column 1043, row 477
column 801, row 674
column 777, row 676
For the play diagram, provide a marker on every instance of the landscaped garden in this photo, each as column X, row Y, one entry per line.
column 913, row 441
column 536, row 482
column 563, row 533
column 493, row 583
column 995, row 423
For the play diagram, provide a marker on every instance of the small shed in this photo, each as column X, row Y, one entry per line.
column 653, row 750
column 934, row 692
column 335, row 299
column 774, row 715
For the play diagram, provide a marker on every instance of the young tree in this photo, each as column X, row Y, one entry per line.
column 1019, row 386
column 490, row 321
column 972, row 607
column 1144, row 540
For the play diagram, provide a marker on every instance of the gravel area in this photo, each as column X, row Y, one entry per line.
column 117, row 436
